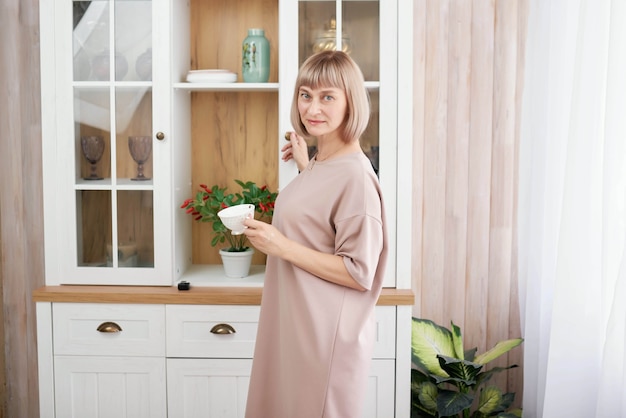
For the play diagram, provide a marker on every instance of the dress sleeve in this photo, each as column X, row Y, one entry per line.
column 359, row 241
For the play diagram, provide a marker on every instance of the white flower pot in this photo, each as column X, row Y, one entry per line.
column 237, row 264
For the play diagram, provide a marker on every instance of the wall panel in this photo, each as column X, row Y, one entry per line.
column 21, row 220
column 468, row 73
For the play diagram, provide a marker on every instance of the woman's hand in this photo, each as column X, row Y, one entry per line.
column 297, row 150
column 265, row 237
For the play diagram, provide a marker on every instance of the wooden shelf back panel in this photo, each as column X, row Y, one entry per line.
column 234, row 136
column 217, row 44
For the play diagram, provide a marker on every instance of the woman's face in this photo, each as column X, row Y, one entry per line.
column 322, row 110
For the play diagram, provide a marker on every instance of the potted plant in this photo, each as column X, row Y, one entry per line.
column 445, row 379
column 207, row 202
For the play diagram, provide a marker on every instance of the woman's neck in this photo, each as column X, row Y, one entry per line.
column 327, row 150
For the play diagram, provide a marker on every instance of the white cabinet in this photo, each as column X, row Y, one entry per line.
column 127, row 139
column 217, row 331
column 113, row 82
column 209, row 359
column 156, row 360
column 210, row 349
column 220, row 386
column 109, row 387
column 109, row 360
column 379, row 401
column 205, row 387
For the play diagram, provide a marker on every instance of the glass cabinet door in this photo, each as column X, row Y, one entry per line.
column 368, row 31
column 353, row 27
column 114, row 145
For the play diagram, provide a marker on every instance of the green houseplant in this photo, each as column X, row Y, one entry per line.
column 445, row 379
column 207, row 202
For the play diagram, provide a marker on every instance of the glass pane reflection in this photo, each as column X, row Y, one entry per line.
column 93, row 227
column 92, row 127
column 360, row 31
column 132, row 52
column 133, row 40
column 135, row 228
column 134, row 133
column 91, row 40
column 362, row 23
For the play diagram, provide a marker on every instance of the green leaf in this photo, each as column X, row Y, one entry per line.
column 457, row 341
column 470, row 354
column 485, row 376
column 462, row 370
column 427, row 341
column 499, row 349
column 417, row 377
column 427, row 393
column 515, row 413
column 450, row 403
column 489, row 400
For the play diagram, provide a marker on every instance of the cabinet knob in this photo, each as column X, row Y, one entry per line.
column 109, row 327
column 160, row 136
column 223, row 329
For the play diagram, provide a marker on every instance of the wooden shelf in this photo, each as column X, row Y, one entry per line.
column 246, row 87
column 197, row 295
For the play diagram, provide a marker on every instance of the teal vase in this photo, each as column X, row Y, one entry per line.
column 255, row 66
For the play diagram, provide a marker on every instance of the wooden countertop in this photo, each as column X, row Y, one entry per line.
column 171, row 295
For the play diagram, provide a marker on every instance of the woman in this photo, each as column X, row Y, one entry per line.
column 327, row 250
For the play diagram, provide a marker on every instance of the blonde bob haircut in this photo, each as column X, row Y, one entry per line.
column 334, row 69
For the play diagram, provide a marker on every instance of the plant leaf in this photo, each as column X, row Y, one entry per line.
column 470, row 354
column 457, row 341
column 417, row 377
column 450, row 403
column 427, row 341
column 463, row 370
column 427, row 393
column 489, row 400
column 485, row 376
column 515, row 413
column 499, row 349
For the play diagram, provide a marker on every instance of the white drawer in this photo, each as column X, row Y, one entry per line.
column 385, row 344
column 75, row 329
column 194, row 331
column 189, row 331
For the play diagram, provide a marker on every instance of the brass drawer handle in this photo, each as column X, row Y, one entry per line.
column 109, row 327
column 223, row 329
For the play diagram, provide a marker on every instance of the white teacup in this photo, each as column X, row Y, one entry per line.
column 232, row 217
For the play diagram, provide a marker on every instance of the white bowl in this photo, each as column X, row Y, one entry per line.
column 233, row 217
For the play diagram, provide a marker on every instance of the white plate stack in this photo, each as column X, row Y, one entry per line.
column 211, row 76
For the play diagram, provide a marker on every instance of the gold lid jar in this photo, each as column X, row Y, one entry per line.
column 327, row 41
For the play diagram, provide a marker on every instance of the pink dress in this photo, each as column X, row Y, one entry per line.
column 315, row 338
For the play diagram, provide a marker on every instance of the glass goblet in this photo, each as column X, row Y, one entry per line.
column 140, row 148
column 93, row 148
